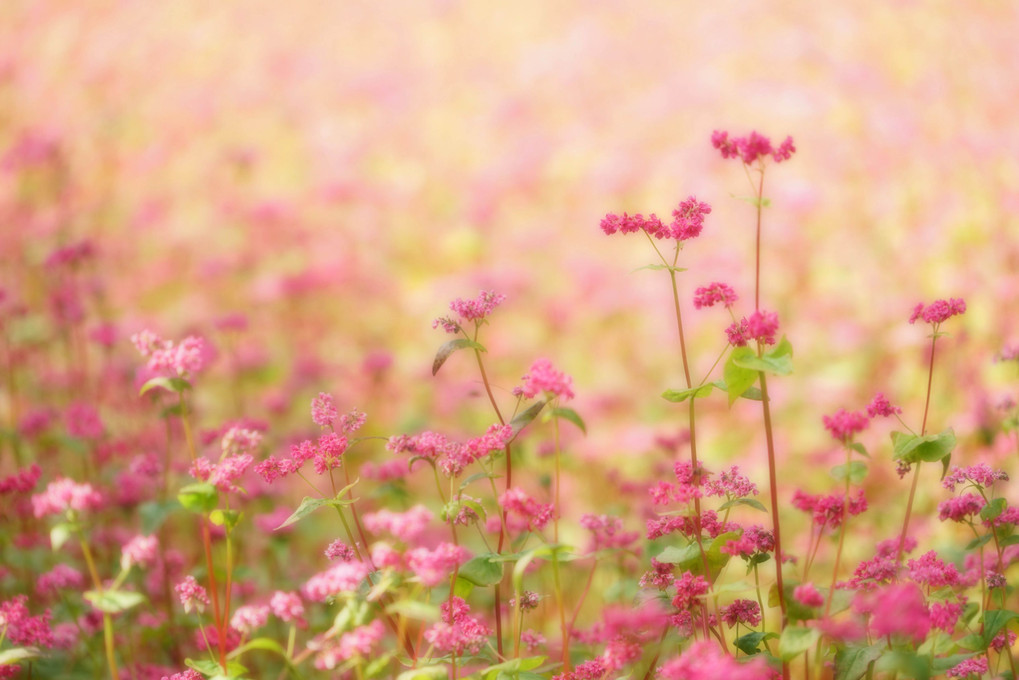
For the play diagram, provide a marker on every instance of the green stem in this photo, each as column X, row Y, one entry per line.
column 916, row 473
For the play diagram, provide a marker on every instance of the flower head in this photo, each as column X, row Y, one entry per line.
column 844, row 424
column 880, row 406
column 751, row 148
column 938, row 311
column 543, row 378
column 714, row 293
column 476, row 310
column 688, row 219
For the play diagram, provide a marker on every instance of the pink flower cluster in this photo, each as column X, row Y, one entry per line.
column 960, row 508
column 323, row 410
column 759, row 326
column 844, row 424
column 65, row 494
column 476, row 310
column 745, row 612
column 140, row 551
column 164, row 358
column 713, row 294
column 930, row 571
column 22, row 481
column 406, row 526
column 751, row 148
column 326, row 454
column 731, row 483
column 222, row 474
column 981, row 475
column 530, row 514
column 433, row 566
column 192, row 595
column 754, row 540
column 458, row 632
column 703, row 660
column 61, row 577
column 880, row 406
column 687, row 223
column 808, row 595
column 343, row 577
column 287, row 607
column 542, row 378
column 827, row 510
column 23, row 629
column 607, row 532
column 452, row 457
column 360, row 642
column 938, row 311
column 897, row 609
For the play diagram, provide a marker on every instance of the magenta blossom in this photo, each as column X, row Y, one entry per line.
column 689, row 219
column 715, row 293
column 844, row 424
column 543, row 378
column 752, row 147
column 938, row 311
column 476, row 310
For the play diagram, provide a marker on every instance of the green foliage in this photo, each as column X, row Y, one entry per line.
column 524, row 418
column 310, row 505
column 931, row 448
column 795, row 640
column 570, row 415
column 678, row 396
column 738, row 379
column 750, row 643
column 176, row 385
column 114, row 601
column 856, row 471
column 200, row 497
column 481, row 571
column 452, row 346
column 851, row 662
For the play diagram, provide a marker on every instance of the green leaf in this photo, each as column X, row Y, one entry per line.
column 524, row 418
column 860, row 449
column 463, row 588
column 749, row 643
column 9, row 657
column 154, row 513
column 436, row 672
column 570, row 415
column 215, row 672
column 993, row 509
column 738, row 379
column 783, row 349
column 61, row 533
column 481, row 571
column 225, row 518
column 449, row 348
column 851, row 662
column 994, row 621
column 752, row 393
column 170, row 384
column 979, row 541
column 749, row 502
column 659, row 267
column 262, row 643
column 795, row 640
column 415, row 609
column 686, row 557
column 200, row 497
column 310, row 505
column 114, row 601
column 779, row 365
column 475, row 477
column 1011, row 540
column 513, row 667
column 677, row 396
column 930, row 448
column 909, row 664
column 944, row 663
column 307, row 506
column 857, row 471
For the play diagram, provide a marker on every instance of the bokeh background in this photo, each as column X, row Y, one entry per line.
column 308, row 184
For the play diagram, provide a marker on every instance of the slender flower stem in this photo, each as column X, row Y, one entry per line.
column 773, row 481
column 842, row 535
column 583, row 596
column 111, row 656
column 916, row 472
column 509, row 483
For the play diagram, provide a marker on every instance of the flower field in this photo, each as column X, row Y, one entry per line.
column 428, row 340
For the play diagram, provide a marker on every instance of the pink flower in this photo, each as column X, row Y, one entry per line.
column 762, row 326
column 689, row 219
column 287, row 607
column 807, row 594
column 897, row 609
column 746, row 612
column 406, row 526
column 343, row 577
column 65, row 494
column 827, row 510
column 141, row 551
column 938, row 311
column 61, row 577
column 703, row 660
column 433, row 567
column 543, row 378
column 323, row 411
column 880, row 406
column 189, row 674
column 535, row 515
column 192, row 595
column 239, row 440
column 731, row 484
column 930, row 571
column 338, row 550
column 688, row 589
column 83, row 421
column 975, row 666
column 23, row 629
column 248, row 618
column 475, row 310
column 165, row 359
column 607, row 532
column 981, row 475
column 945, row 615
column 22, row 481
column 714, row 293
column 844, row 424
column 752, row 147
column 960, row 508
